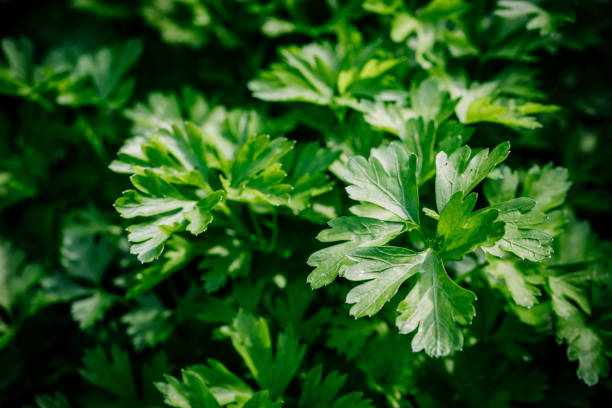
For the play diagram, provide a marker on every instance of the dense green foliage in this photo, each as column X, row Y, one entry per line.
column 345, row 204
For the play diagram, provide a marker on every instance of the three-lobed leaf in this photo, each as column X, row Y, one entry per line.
column 434, row 308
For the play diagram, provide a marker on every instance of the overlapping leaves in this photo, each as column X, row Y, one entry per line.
column 387, row 188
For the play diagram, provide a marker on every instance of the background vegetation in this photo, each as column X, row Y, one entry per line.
column 150, row 115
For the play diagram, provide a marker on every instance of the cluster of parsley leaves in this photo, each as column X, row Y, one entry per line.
column 295, row 203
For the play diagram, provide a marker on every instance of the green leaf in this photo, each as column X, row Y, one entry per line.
column 585, row 346
column 575, row 245
column 177, row 254
column 419, row 137
column 324, row 74
column 98, row 78
column 522, row 235
column 507, row 274
column 548, row 186
column 273, row 368
column 153, row 371
column 323, row 392
column 567, row 291
column 227, row 257
column 162, row 111
column 17, row 279
column 307, row 74
column 113, row 375
column 434, row 307
column 226, row 387
column 56, row 401
column 167, row 208
column 484, row 110
column 536, row 17
column 19, row 54
column 90, row 310
column 443, row 9
column 462, row 172
column 190, row 392
column 175, row 153
column 460, row 230
column 149, row 323
column 429, row 102
column 21, row 78
column 357, row 232
column 385, row 269
column 307, row 174
column 387, row 179
column 172, row 192
column 88, row 244
column 501, row 185
column 256, row 175
column 262, row 399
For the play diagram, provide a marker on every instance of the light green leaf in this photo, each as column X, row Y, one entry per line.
column 226, row 386
column 419, row 137
column 307, row 74
column 148, row 324
column 584, row 345
column 16, row 278
column 324, row 74
column 536, row 17
column 168, row 211
column 388, row 180
column 19, row 54
column 200, row 383
column 522, row 235
column 256, row 175
column 548, row 186
column 385, row 269
column 92, row 309
column 357, row 232
column 483, row 109
column 172, row 192
column 434, row 307
column 567, row 291
column 506, row 273
column 462, row 172
column 190, row 392
column 501, row 185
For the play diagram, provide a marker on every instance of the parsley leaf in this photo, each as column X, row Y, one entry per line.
column 357, row 232
column 462, row 172
column 460, row 230
column 385, row 269
column 273, row 369
column 159, row 174
column 256, row 174
column 387, row 179
column 323, row 392
column 522, row 235
column 434, row 307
